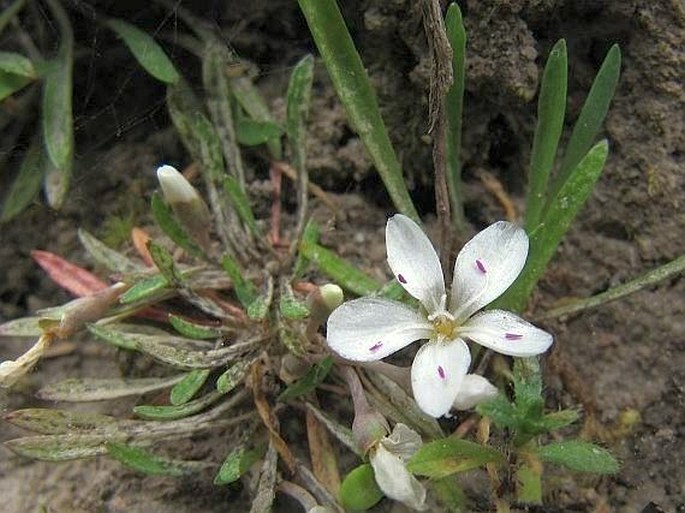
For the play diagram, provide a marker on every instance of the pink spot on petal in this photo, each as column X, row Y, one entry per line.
column 441, row 372
column 376, row 347
column 513, row 336
column 401, row 278
column 481, row 267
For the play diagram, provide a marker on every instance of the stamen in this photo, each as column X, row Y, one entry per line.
column 401, row 278
column 513, row 336
column 480, row 266
column 441, row 372
column 376, row 347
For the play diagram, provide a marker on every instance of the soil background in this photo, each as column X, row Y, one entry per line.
column 628, row 354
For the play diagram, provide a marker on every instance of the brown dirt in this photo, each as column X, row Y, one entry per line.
column 626, row 355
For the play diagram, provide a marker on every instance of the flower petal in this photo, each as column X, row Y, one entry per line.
column 486, row 266
column 437, row 374
column 371, row 328
column 395, row 480
column 414, row 262
column 506, row 333
column 474, row 390
column 403, row 441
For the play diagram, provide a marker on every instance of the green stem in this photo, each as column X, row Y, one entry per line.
column 649, row 278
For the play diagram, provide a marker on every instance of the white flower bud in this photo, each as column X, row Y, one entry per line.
column 175, row 187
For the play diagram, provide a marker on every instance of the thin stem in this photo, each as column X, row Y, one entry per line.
column 649, row 278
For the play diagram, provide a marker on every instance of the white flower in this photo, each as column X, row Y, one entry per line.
column 175, row 187
column 372, row 328
column 388, row 459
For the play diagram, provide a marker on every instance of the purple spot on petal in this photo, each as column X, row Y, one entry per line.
column 513, row 336
column 401, row 278
column 376, row 347
column 441, row 372
column 480, row 266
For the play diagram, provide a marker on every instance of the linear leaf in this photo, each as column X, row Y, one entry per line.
column 27, row 184
column 298, row 100
column 551, row 111
column 244, row 289
column 235, row 374
column 192, row 330
column 167, row 221
column 176, row 411
column 339, row 270
column 241, row 203
column 591, row 116
column 148, row 463
column 560, row 213
column 146, row 51
column 451, row 455
column 253, row 133
column 102, row 389
column 237, row 463
column 184, row 390
column 106, row 256
column 580, row 456
column 23, row 327
column 57, row 115
column 146, row 288
column 59, row 447
column 454, row 104
column 309, row 382
column 354, row 89
column 52, row 421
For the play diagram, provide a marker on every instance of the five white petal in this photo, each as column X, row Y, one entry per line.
column 372, row 328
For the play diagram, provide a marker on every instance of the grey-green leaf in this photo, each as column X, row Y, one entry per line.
column 184, row 390
column 27, row 184
column 148, row 463
column 101, row 389
column 146, row 51
column 17, row 64
column 237, row 463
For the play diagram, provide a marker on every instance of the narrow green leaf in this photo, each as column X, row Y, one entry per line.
column 148, row 463
column 298, row 100
column 184, row 110
column 17, row 64
column 354, row 89
column 103, row 389
column 244, row 289
column 560, row 213
column 528, row 387
column 580, row 456
column 454, row 104
column 106, row 256
column 176, row 411
column 57, row 115
column 237, row 463
column 254, row 133
column 359, row 490
column 251, row 100
column 171, row 227
column 501, row 411
column 451, row 455
column 27, row 184
column 59, row 447
column 241, row 204
column 23, row 327
column 309, row 382
column 146, row 51
column 591, row 116
column 11, row 83
column 164, row 261
column 340, row 271
column 145, row 288
column 10, row 12
column 51, row 421
column 551, row 111
column 310, row 235
column 290, row 338
column 185, row 390
column 192, row 330
column 234, row 375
